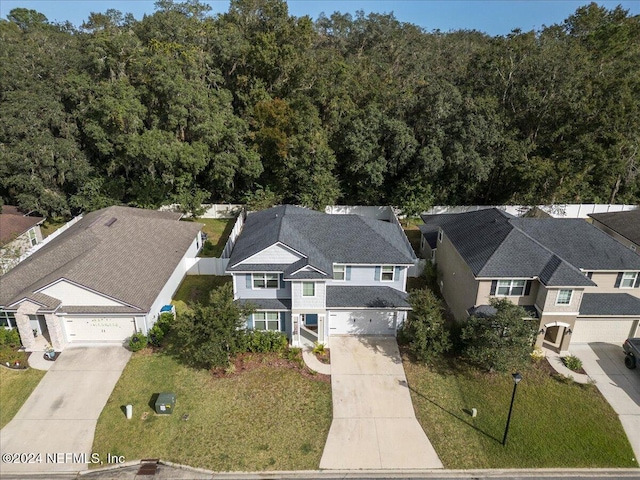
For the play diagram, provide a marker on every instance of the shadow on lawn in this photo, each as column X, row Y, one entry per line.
column 457, row 417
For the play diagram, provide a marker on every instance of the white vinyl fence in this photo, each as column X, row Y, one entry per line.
column 237, row 228
column 575, row 210
column 208, row 266
column 217, row 210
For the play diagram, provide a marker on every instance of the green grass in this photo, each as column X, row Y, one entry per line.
column 50, row 225
column 555, row 423
column 269, row 418
column 15, row 388
column 218, row 231
column 196, row 289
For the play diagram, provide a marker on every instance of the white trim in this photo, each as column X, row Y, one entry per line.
column 266, row 320
column 302, row 289
column 308, row 266
column 25, row 299
column 557, row 324
column 278, row 243
column 635, row 315
column 344, row 272
column 393, row 273
column 633, row 282
column 394, row 309
column 253, row 285
column 79, row 285
column 511, row 287
column 559, row 313
column 570, row 296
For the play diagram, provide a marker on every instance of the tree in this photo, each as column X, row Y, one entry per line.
column 424, row 329
column 501, row 341
column 208, row 336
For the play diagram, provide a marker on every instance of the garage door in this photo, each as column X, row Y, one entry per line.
column 92, row 329
column 602, row 330
column 362, row 322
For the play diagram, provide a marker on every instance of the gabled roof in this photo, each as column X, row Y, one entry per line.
column 323, row 239
column 125, row 253
column 557, row 251
column 14, row 223
column 626, row 223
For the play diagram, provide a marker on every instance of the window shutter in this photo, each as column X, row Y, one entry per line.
column 494, row 285
column 527, row 288
column 348, row 273
column 283, row 325
column 397, row 273
column 618, row 280
column 377, row 274
column 281, row 280
column 250, row 322
column 248, row 277
column 637, row 285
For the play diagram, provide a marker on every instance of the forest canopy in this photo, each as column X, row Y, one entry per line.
column 258, row 105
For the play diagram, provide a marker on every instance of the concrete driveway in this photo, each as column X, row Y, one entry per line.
column 61, row 414
column 374, row 424
column 604, row 363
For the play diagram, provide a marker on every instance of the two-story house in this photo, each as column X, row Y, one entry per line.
column 623, row 226
column 578, row 282
column 314, row 275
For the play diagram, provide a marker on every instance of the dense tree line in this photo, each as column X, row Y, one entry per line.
column 257, row 105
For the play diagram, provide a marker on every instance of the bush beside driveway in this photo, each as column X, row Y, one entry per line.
column 265, row 418
column 555, row 422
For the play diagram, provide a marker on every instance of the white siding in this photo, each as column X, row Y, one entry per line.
column 273, row 254
column 70, row 294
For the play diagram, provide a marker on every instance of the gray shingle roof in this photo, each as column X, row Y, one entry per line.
column 324, row 239
column 267, row 303
column 626, row 224
column 125, row 253
column 14, row 223
column 609, row 304
column 366, row 297
column 495, row 244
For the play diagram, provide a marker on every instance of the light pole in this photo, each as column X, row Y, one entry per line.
column 516, row 380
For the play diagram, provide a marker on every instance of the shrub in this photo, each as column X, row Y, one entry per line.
column 262, row 341
column 137, row 342
column 156, row 334
column 572, row 363
column 10, row 338
column 165, row 322
column 424, row 331
column 293, row 354
column 537, row 355
column 318, row 348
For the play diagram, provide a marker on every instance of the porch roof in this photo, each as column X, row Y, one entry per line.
column 267, row 303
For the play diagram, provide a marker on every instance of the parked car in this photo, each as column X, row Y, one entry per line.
column 631, row 349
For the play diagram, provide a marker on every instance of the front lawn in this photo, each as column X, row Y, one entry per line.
column 218, row 231
column 15, row 388
column 266, row 418
column 555, row 423
column 196, row 289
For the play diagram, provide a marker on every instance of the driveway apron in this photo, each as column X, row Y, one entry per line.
column 374, row 424
column 58, row 420
column 604, row 363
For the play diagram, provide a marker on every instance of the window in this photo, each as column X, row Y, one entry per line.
column 266, row 321
column 511, row 288
column 440, row 235
column 564, row 297
column 628, row 279
column 308, row 289
column 339, row 272
column 32, row 237
column 7, row 319
column 266, row 280
column 387, row 274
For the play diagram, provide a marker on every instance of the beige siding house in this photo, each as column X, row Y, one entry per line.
column 101, row 280
column 577, row 282
column 623, row 226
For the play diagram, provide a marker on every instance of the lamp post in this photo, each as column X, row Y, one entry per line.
column 516, row 380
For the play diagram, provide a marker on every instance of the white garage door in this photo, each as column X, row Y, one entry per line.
column 92, row 329
column 602, row 330
column 362, row 322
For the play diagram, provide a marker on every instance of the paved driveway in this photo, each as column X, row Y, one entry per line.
column 374, row 424
column 61, row 414
column 604, row 363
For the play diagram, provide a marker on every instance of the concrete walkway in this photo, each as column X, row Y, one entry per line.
column 313, row 363
column 374, row 424
column 555, row 360
column 61, row 414
column 604, row 363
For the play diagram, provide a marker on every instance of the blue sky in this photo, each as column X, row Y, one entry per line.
column 495, row 17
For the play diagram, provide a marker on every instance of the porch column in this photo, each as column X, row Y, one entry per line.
column 321, row 328
column 55, row 332
column 24, row 324
column 295, row 330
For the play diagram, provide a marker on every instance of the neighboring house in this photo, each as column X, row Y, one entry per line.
column 314, row 274
column 18, row 233
column 623, row 226
column 577, row 282
column 101, row 280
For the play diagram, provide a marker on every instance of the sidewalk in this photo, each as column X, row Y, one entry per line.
column 313, row 363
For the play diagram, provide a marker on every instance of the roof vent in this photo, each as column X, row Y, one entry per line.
column 111, row 221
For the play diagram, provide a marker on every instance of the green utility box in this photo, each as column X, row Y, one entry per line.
column 165, row 403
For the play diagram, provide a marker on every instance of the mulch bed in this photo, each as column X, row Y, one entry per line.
column 324, row 357
column 245, row 362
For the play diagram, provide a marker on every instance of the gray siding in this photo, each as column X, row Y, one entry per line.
column 366, row 276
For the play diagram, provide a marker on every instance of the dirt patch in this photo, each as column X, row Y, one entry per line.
column 246, row 362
